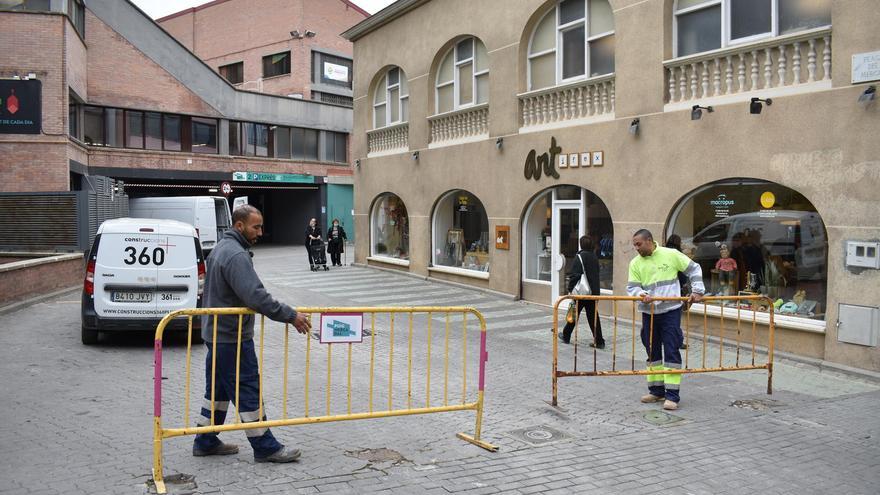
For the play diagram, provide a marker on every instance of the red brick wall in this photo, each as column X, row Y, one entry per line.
column 246, row 30
column 34, row 166
column 76, row 62
column 24, row 283
column 121, row 75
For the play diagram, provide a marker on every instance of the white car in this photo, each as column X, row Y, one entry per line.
column 139, row 270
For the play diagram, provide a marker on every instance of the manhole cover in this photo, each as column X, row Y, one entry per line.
column 659, row 418
column 755, row 404
column 377, row 455
column 538, row 435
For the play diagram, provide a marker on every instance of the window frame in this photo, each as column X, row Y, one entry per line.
column 233, row 64
column 726, row 27
column 269, row 57
column 456, row 82
column 401, row 75
column 557, row 48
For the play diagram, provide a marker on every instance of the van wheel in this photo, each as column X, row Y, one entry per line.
column 89, row 336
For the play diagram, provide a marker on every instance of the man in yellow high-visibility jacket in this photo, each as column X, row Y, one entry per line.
column 654, row 274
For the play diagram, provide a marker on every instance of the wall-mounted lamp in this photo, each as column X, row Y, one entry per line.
column 357, row 163
column 697, row 111
column 499, row 143
column 868, row 95
column 755, row 106
column 415, row 156
column 634, row 127
column 295, row 34
column 310, row 34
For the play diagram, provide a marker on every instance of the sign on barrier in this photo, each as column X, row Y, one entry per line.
column 367, row 344
column 744, row 342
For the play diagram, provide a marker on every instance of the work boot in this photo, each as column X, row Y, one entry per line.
column 284, row 454
column 220, row 449
column 649, row 398
column 670, row 406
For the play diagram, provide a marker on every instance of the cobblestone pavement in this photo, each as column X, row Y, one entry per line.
column 78, row 419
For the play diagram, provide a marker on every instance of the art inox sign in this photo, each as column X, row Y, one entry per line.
column 20, row 106
column 546, row 163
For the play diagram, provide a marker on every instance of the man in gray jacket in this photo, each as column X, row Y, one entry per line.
column 231, row 282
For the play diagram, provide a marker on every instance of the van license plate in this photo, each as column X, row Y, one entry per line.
column 132, row 297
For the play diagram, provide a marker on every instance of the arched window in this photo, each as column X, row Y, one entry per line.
column 573, row 40
column 389, row 226
column 703, row 25
column 391, row 99
column 463, row 76
column 756, row 237
column 461, row 232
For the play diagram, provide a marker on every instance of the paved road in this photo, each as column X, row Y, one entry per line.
column 78, row 419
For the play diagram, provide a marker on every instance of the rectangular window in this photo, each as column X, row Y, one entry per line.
column 72, row 120
column 134, row 129
column 341, row 151
column 699, row 31
column 795, row 15
column 573, row 49
column 750, row 18
column 249, row 138
column 234, row 73
column 234, row 138
column 335, row 147
column 276, row 65
column 171, row 132
column 329, row 69
column 93, row 128
column 305, row 144
column 114, row 127
column 153, row 134
column 204, row 135
column 262, row 140
column 77, row 13
column 281, row 138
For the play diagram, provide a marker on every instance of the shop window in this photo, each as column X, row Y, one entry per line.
column 276, row 65
column 757, row 237
column 463, row 76
column 703, row 25
column 204, row 135
column 171, row 132
column 329, row 69
column 461, row 232
column 574, row 40
column 234, row 73
column 537, row 232
column 391, row 99
column 389, row 225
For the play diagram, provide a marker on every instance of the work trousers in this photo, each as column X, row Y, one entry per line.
column 595, row 322
column 261, row 439
column 663, row 352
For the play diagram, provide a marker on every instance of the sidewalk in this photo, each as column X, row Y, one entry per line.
column 78, row 419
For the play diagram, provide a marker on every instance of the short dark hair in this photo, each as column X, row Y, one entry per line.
column 586, row 243
column 644, row 234
column 243, row 212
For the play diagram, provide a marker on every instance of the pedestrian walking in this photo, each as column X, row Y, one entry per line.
column 315, row 245
column 336, row 242
column 232, row 282
column 654, row 274
column 586, row 263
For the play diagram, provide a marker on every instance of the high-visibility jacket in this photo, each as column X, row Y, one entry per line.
column 657, row 276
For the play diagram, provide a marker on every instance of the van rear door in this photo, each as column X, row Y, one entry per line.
column 178, row 279
column 224, row 219
column 126, row 273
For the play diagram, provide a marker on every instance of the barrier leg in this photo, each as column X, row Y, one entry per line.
column 158, row 479
column 475, row 439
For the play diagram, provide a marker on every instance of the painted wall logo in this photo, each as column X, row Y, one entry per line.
column 20, row 106
column 722, row 205
column 545, row 163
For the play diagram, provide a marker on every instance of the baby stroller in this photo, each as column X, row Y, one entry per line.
column 319, row 255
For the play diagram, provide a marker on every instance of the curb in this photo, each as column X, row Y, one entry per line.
column 9, row 308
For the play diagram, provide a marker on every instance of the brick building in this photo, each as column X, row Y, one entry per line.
column 123, row 109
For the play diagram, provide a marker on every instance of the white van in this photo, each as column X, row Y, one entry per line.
column 139, row 270
column 208, row 214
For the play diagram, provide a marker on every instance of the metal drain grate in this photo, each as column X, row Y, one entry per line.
column 538, row 435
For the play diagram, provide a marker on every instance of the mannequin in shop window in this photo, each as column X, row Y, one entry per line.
column 726, row 268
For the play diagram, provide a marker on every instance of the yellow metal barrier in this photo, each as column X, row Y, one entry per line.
column 726, row 315
column 444, row 315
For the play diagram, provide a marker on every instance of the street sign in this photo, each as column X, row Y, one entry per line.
column 341, row 327
column 226, row 188
column 272, row 177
